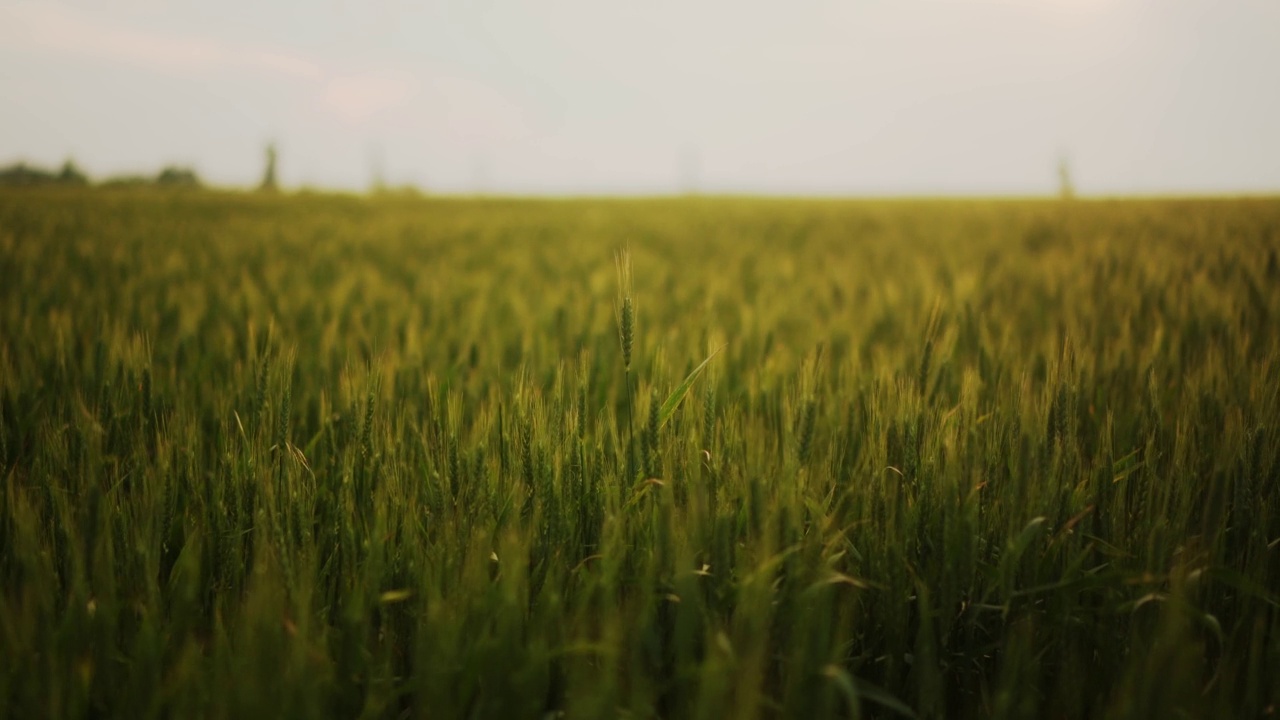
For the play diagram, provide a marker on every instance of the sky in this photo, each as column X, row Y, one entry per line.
column 859, row 97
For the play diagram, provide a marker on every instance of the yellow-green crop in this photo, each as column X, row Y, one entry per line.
column 313, row 456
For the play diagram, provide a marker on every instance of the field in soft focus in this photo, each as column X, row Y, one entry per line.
column 321, row 456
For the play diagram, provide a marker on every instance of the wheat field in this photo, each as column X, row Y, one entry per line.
column 336, row 456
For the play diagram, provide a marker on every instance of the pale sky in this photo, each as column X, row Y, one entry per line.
column 595, row 96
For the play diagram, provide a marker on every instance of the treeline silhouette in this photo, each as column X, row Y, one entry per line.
column 23, row 175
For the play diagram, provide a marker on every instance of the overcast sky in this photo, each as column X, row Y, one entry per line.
column 558, row 96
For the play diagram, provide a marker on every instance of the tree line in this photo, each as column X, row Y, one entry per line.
column 21, row 174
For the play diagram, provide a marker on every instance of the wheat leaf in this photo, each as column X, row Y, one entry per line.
column 677, row 396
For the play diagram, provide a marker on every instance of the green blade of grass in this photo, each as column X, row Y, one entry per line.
column 855, row 690
column 677, row 396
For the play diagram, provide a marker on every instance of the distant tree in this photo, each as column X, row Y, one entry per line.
column 178, row 177
column 269, row 176
column 21, row 174
column 71, row 175
column 26, row 175
column 13, row 174
column 127, row 181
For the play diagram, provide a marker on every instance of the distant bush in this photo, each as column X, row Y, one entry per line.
column 21, row 174
column 71, row 175
column 126, row 181
column 178, row 177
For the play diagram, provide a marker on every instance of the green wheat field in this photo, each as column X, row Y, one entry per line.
column 324, row 456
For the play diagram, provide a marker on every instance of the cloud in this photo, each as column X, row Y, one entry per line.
column 357, row 98
column 355, row 91
column 58, row 28
column 472, row 112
